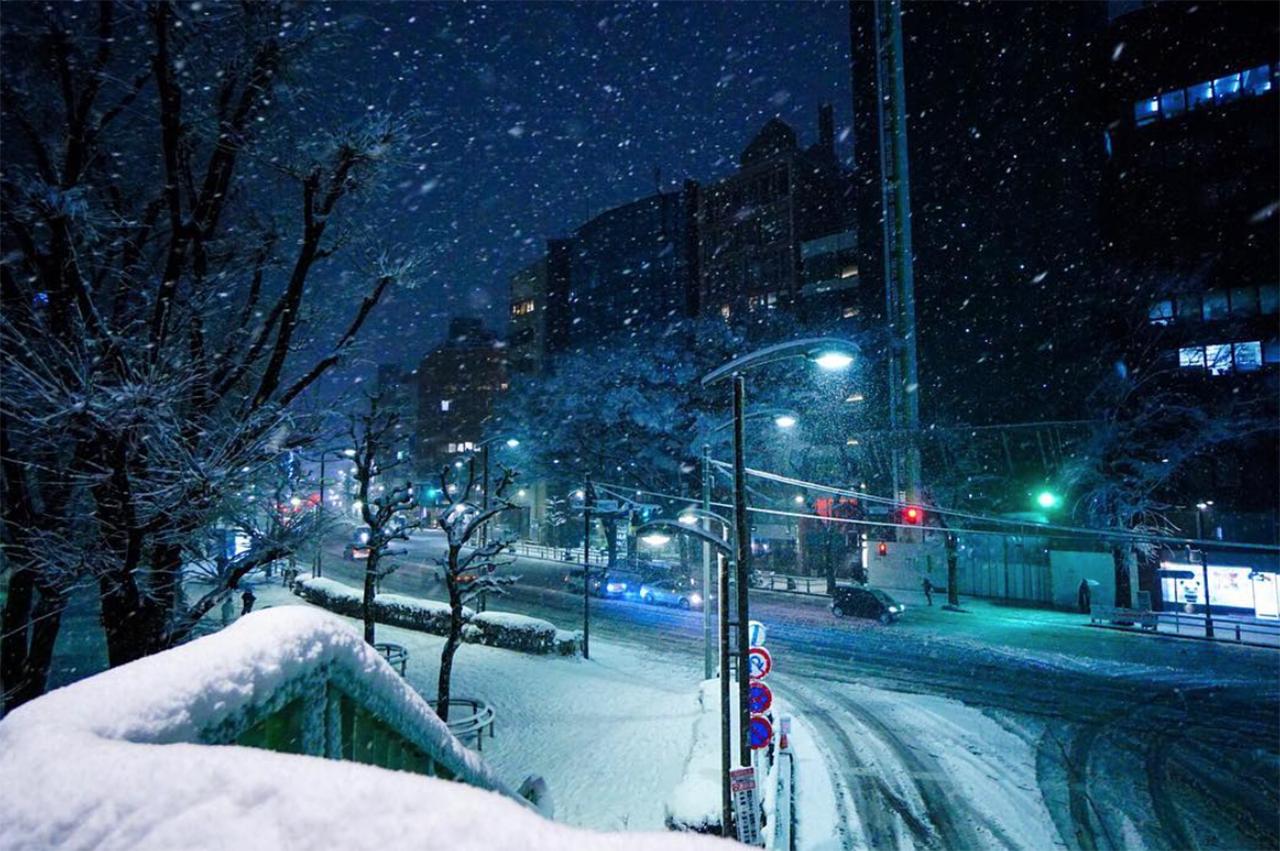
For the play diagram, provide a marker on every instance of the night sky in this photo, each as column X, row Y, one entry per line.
column 532, row 117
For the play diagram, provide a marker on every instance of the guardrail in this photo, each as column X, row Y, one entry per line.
column 482, row 718
column 397, row 655
column 814, row 585
column 568, row 555
column 1225, row 627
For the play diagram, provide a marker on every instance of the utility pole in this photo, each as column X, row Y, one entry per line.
column 708, row 661
column 318, row 566
column 588, row 497
column 744, row 568
column 726, row 719
column 484, row 490
column 1204, row 573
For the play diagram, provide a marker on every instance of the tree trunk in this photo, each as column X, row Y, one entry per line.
column 26, row 651
column 134, row 626
column 370, row 589
column 1124, row 591
column 455, row 635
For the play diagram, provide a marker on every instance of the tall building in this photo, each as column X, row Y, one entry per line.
column 527, row 329
column 1003, row 164
column 458, row 384
column 1190, row 225
column 756, row 228
column 626, row 269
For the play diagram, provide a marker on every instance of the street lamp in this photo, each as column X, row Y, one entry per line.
column 483, row 446
column 783, row 418
column 317, row 569
column 1047, row 499
column 828, row 353
column 1201, row 508
column 724, row 551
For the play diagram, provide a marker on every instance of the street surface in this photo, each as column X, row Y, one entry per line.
column 1138, row 741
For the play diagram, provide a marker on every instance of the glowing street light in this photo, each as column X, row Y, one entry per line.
column 512, row 443
column 784, row 421
column 833, row 360
column 1047, row 499
column 656, row 539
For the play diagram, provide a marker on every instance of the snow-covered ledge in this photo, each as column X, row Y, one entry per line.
column 126, row 759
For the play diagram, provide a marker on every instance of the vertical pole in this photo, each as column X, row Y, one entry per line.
column 708, row 632
column 1204, row 574
column 726, row 744
column 484, row 490
column 586, row 570
column 318, row 567
column 744, row 568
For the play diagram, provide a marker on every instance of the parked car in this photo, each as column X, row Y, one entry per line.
column 359, row 546
column 855, row 601
column 669, row 592
column 573, row 582
column 619, row 584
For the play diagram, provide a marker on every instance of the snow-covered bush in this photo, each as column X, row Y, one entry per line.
column 514, row 632
column 568, row 642
column 392, row 609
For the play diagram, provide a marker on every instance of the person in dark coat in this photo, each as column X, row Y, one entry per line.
column 1082, row 597
column 928, row 591
column 247, row 599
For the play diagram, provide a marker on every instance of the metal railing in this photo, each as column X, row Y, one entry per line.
column 482, row 718
column 1225, row 627
column 567, row 555
column 397, row 655
column 770, row 581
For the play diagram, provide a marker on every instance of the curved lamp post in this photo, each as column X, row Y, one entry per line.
column 830, row 353
column 483, row 446
column 317, row 569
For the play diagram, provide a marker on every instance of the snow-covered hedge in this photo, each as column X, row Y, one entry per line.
column 514, row 632
column 492, row 629
column 695, row 804
column 116, row 761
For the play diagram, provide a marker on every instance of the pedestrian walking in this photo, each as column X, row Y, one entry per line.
column 1082, row 597
column 928, row 591
column 247, row 600
column 228, row 610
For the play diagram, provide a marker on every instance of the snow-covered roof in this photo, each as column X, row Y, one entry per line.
column 113, row 761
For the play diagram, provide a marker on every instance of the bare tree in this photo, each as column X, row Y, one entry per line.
column 473, row 574
column 162, row 226
column 375, row 437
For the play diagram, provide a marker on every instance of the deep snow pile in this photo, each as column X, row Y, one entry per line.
column 111, row 761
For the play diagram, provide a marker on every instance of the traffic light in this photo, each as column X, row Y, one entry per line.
column 912, row 514
column 882, row 549
column 1047, row 499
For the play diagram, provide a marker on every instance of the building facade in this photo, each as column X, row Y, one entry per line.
column 527, row 328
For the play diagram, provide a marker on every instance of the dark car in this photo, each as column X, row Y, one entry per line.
column 871, row 603
column 573, row 581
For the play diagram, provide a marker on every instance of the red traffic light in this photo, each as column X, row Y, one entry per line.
column 882, row 548
column 912, row 514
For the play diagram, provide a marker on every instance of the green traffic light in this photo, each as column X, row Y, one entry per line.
column 1047, row 499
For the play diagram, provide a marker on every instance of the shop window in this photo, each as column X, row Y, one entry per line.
column 445, row 403
column 1200, row 95
column 1268, row 296
column 1161, row 312
column 1146, row 111
column 1258, row 80
column 1217, row 358
column 1244, row 301
column 1173, row 103
column 1271, row 351
column 1192, row 356
column 1226, row 88
column 1189, row 307
column 1248, row 356
column 1215, row 305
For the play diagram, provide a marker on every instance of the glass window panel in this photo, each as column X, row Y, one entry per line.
column 1189, row 307
column 1193, row 356
column 1173, row 103
column 1218, row 358
column 1227, row 88
column 1248, row 356
column 1215, row 305
column 1147, row 110
column 1258, row 80
column 1161, row 312
column 1271, row 351
column 1268, row 296
column 1199, row 95
column 1244, row 301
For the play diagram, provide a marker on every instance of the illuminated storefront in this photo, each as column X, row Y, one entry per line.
column 1243, row 588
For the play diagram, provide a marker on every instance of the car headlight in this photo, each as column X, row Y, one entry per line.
column 894, row 609
column 696, row 599
column 644, row 592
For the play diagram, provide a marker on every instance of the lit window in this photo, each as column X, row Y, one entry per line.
column 1161, row 312
column 1218, row 358
column 445, row 403
column 1173, row 103
column 849, row 272
column 1199, row 95
column 1215, row 305
column 453, row 447
column 1227, row 88
column 1268, row 296
column 1189, row 307
column 1271, row 351
column 1244, row 301
column 725, row 311
column 468, row 446
column 1258, row 80
column 522, row 308
column 1191, row 357
column 1248, row 356
column 1146, row 111
column 849, row 312
column 771, row 301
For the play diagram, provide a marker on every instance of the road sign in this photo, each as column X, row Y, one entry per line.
column 605, row 506
column 761, row 698
column 757, row 633
column 746, row 807
column 761, row 732
column 759, row 663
